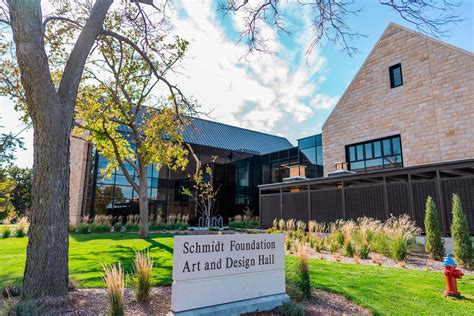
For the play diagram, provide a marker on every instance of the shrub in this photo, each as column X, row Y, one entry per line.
column 364, row 252
column 288, row 243
column 20, row 231
column 294, row 292
column 401, row 232
column 118, row 227
column 131, row 227
column 303, row 273
column 380, row 244
column 25, row 308
column 334, row 246
column 21, row 227
column 157, row 226
column 143, row 267
column 399, row 248
column 243, row 224
column 364, row 233
column 100, row 228
column 434, row 242
column 462, row 248
column 290, row 308
column 82, row 228
column 114, row 280
column 339, row 237
column 318, row 244
column 272, row 230
column 312, row 226
column 348, row 249
column 6, row 231
column 72, row 228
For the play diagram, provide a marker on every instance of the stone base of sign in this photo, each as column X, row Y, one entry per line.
column 263, row 303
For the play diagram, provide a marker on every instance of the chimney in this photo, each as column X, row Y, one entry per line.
column 341, row 165
column 341, row 170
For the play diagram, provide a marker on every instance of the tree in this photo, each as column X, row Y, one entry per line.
column 50, row 55
column 9, row 143
column 21, row 194
column 7, row 185
column 205, row 194
column 329, row 19
column 113, row 113
column 434, row 242
column 462, row 248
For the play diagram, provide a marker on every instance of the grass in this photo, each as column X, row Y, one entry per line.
column 389, row 291
column 88, row 252
column 383, row 290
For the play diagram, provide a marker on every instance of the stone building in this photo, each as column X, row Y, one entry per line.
column 411, row 103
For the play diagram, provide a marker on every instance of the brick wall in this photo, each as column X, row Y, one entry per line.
column 79, row 154
column 433, row 110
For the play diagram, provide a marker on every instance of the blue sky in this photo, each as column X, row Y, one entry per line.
column 284, row 94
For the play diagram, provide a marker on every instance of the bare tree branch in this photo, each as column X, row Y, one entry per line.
column 329, row 19
column 175, row 92
column 74, row 67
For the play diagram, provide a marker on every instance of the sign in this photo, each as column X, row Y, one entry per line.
column 209, row 270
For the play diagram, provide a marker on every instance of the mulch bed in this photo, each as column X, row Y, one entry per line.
column 94, row 302
column 323, row 303
column 417, row 261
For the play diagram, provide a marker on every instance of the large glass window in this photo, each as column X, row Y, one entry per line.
column 242, row 173
column 375, row 154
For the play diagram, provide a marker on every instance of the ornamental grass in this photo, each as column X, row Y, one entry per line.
column 143, row 266
column 115, row 283
column 304, row 282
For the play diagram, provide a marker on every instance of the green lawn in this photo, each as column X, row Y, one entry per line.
column 86, row 254
column 388, row 291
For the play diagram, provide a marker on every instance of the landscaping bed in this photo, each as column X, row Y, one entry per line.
column 380, row 289
column 92, row 302
column 418, row 261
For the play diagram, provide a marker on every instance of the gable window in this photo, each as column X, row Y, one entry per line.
column 375, row 154
column 396, row 78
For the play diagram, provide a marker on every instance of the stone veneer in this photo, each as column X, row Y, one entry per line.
column 433, row 110
column 79, row 154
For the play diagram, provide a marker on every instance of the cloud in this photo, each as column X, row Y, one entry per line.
column 264, row 92
column 321, row 101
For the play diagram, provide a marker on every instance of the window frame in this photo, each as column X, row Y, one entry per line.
column 382, row 156
column 392, row 77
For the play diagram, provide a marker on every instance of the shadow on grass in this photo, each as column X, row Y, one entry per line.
column 159, row 245
column 115, row 236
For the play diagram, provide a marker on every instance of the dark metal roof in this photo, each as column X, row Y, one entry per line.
column 214, row 134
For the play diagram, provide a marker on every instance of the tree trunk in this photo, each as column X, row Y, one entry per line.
column 46, row 271
column 143, row 204
column 52, row 113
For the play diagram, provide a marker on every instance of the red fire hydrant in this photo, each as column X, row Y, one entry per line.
column 451, row 275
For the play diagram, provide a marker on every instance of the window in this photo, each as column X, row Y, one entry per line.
column 396, row 78
column 376, row 154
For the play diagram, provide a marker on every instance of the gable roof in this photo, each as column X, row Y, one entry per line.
column 219, row 135
column 393, row 25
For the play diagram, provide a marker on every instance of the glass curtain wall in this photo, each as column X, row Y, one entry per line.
column 311, row 155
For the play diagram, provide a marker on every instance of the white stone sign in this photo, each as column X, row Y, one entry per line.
column 210, row 270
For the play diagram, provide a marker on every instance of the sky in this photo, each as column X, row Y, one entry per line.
column 287, row 93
